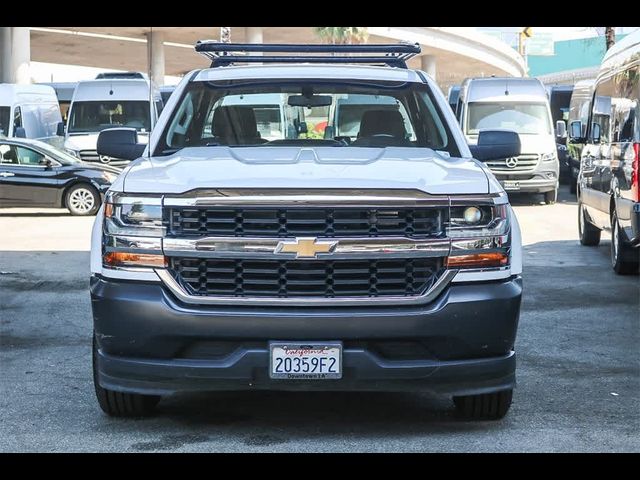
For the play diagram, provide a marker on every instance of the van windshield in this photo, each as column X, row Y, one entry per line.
column 5, row 115
column 523, row 118
column 306, row 113
column 95, row 116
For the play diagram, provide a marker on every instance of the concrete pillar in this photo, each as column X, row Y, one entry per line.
column 428, row 65
column 15, row 55
column 254, row 35
column 155, row 57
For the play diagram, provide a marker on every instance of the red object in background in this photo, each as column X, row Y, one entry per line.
column 320, row 127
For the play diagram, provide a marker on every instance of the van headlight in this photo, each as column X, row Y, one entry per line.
column 548, row 157
column 132, row 231
column 479, row 236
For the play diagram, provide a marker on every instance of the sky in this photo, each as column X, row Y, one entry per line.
column 48, row 72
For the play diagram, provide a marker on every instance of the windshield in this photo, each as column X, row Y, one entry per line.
column 307, row 113
column 5, row 115
column 523, row 118
column 60, row 155
column 92, row 116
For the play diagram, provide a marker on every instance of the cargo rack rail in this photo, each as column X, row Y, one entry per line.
column 223, row 54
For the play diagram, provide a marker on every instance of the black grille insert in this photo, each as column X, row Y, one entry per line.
column 314, row 278
column 297, row 222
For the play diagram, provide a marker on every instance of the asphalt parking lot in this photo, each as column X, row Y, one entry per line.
column 578, row 371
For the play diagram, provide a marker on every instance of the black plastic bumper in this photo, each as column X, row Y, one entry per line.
column 144, row 336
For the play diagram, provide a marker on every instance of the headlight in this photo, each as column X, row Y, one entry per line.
column 75, row 153
column 133, row 231
column 549, row 157
column 109, row 177
column 479, row 236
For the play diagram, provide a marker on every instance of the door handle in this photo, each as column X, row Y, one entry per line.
column 7, row 174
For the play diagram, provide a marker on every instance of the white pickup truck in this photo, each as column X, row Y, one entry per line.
column 384, row 259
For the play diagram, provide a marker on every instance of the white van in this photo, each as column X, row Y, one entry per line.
column 108, row 103
column 29, row 111
column 520, row 105
column 64, row 92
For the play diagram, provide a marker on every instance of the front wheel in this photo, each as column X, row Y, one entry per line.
column 120, row 404
column 589, row 235
column 488, row 406
column 622, row 255
column 83, row 199
column 551, row 197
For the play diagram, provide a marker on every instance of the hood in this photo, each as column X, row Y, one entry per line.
column 294, row 167
column 81, row 141
column 96, row 167
column 89, row 141
column 530, row 144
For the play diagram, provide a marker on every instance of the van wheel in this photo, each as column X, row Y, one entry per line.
column 589, row 235
column 551, row 197
column 489, row 406
column 82, row 199
column 620, row 251
column 119, row 404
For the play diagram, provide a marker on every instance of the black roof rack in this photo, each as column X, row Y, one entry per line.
column 221, row 54
column 107, row 75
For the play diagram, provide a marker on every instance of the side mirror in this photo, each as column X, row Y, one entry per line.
column 46, row 162
column 60, row 129
column 20, row 132
column 561, row 129
column 575, row 130
column 595, row 132
column 120, row 143
column 495, row 145
column 302, row 128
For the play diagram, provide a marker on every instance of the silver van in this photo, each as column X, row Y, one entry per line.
column 520, row 105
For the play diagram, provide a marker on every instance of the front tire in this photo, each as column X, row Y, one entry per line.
column 589, row 235
column 120, row 404
column 82, row 199
column 620, row 251
column 488, row 406
column 551, row 197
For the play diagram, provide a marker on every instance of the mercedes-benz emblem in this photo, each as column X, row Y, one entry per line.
column 104, row 159
column 512, row 162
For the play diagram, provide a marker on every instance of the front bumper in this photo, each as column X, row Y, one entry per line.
column 150, row 343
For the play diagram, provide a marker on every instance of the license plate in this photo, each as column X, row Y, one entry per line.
column 305, row 361
column 509, row 185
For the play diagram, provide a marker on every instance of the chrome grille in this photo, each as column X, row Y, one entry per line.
column 525, row 163
column 313, row 278
column 297, row 222
column 89, row 156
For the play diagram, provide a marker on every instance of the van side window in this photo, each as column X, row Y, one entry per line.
column 626, row 105
column 601, row 112
column 17, row 118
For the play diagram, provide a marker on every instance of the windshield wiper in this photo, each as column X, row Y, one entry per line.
column 171, row 151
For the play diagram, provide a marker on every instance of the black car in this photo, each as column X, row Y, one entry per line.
column 35, row 174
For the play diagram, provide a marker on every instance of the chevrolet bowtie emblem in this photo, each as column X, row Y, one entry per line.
column 306, row 247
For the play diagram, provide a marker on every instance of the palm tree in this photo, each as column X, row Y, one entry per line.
column 342, row 35
column 225, row 34
column 610, row 36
